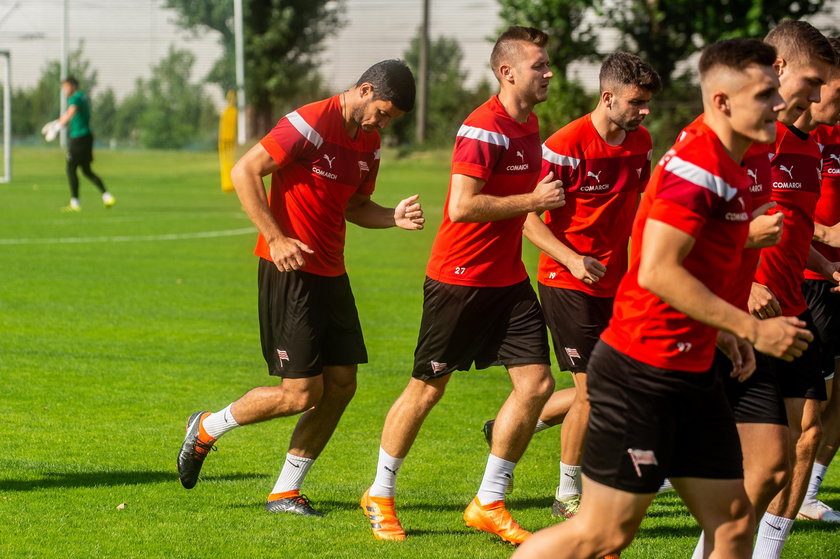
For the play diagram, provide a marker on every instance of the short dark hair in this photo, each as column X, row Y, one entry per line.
column 507, row 42
column 392, row 81
column 736, row 54
column 801, row 42
column 623, row 68
column 835, row 45
column 73, row 82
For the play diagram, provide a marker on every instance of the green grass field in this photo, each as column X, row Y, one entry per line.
column 117, row 324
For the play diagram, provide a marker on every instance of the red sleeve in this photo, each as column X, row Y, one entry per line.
column 285, row 143
column 369, row 185
column 682, row 204
column 474, row 158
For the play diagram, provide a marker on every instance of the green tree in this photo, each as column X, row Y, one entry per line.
column 664, row 33
column 282, row 41
column 170, row 111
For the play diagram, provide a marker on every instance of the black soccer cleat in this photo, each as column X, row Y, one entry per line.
column 193, row 452
column 298, row 504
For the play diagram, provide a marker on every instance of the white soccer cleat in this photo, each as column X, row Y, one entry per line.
column 817, row 510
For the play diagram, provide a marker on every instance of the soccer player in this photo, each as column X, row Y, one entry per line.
column 603, row 160
column 479, row 305
column 323, row 160
column 657, row 406
column 80, row 150
column 824, row 305
column 807, row 57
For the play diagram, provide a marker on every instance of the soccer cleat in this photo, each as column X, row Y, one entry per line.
column 108, row 200
column 495, row 519
column 193, row 451
column 817, row 510
column 612, row 556
column 295, row 503
column 566, row 507
column 71, row 209
column 383, row 517
column 488, row 436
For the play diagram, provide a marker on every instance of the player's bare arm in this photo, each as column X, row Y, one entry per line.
column 65, row 119
column 585, row 268
column 762, row 303
column 247, row 174
column 364, row 212
column 740, row 352
column 661, row 272
column 822, row 265
column 765, row 230
column 468, row 205
column 829, row 235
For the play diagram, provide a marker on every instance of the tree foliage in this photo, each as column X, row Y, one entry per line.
column 282, row 42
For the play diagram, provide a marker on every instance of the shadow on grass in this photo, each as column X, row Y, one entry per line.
column 53, row 480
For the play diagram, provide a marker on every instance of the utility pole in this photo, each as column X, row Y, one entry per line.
column 423, row 78
column 239, row 49
column 65, row 32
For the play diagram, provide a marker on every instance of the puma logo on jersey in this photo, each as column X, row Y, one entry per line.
column 788, row 170
column 521, row 156
column 523, row 166
column 594, row 175
column 751, row 173
column 329, row 159
column 639, row 172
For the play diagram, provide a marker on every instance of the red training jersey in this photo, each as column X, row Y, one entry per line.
column 828, row 206
column 698, row 188
column 505, row 154
column 795, row 172
column 756, row 161
column 321, row 167
column 602, row 184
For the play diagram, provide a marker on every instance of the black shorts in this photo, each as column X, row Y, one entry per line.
column 825, row 310
column 485, row 325
column 648, row 423
column 575, row 320
column 307, row 322
column 80, row 149
column 758, row 399
column 803, row 377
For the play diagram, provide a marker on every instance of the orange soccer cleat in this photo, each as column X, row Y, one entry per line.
column 383, row 517
column 495, row 518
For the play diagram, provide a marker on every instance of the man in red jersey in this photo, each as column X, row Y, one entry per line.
column 323, row 160
column 825, row 305
column 603, row 159
column 479, row 306
column 657, row 407
column 807, row 57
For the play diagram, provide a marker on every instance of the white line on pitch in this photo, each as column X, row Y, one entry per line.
column 130, row 239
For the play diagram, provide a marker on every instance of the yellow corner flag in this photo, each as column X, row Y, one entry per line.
column 227, row 141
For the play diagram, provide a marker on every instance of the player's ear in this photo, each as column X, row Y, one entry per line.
column 779, row 65
column 365, row 89
column 607, row 98
column 506, row 72
column 721, row 103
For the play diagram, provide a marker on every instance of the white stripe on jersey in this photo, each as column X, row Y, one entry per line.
column 701, row 177
column 822, row 147
column 484, row 136
column 557, row 159
column 305, row 130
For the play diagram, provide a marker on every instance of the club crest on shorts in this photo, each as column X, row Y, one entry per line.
column 642, row 458
column 437, row 366
column 282, row 355
column 573, row 354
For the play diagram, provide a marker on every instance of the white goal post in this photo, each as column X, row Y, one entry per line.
column 7, row 115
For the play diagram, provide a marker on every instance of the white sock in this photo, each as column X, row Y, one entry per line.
column 666, row 486
column 107, row 197
column 570, row 483
column 700, row 547
column 541, row 426
column 74, row 203
column 294, row 470
column 817, row 475
column 497, row 476
column 385, row 484
column 219, row 423
column 772, row 533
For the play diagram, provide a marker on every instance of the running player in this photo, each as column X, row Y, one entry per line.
column 657, row 406
column 807, row 57
column 479, row 306
column 603, row 160
column 825, row 307
column 323, row 160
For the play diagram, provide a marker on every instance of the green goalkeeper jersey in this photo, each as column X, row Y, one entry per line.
column 80, row 123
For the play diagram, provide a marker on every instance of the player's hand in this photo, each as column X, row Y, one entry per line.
column 409, row 214
column 548, row 194
column 832, row 274
column 762, row 303
column 287, row 254
column 587, row 269
column 765, row 230
column 740, row 352
column 51, row 129
column 784, row 337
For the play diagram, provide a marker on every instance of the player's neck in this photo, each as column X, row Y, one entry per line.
column 806, row 123
column 350, row 124
column 518, row 109
column 735, row 144
column 609, row 131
